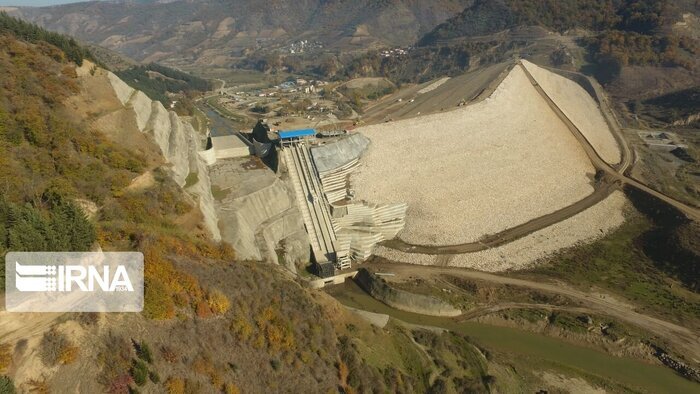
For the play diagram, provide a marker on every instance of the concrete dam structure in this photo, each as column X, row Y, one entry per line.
column 340, row 229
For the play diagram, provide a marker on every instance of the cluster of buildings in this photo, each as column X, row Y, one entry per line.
column 394, row 52
column 302, row 46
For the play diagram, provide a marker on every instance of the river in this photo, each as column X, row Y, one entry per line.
column 626, row 371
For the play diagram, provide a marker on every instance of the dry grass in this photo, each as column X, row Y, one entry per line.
column 476, row 170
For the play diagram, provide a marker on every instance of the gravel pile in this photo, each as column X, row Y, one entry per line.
column 587, row 226
column 475, row 170
column 434, row 85
column 580, row 108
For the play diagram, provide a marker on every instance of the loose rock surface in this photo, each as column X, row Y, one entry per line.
column 475, row 170
column 587, row 226
column 580, row 108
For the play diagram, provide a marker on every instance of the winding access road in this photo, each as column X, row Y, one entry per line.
column 609, row 178
column 682, row 337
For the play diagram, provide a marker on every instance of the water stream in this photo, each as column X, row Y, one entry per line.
column 629, row 372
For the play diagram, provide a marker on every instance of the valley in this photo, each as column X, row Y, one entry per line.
column 461, row 196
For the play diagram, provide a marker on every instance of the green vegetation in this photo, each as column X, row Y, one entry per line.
column 6, row 385
column 465, row 370
column 618, row 264
column 192, row 179
column 29, row 32
column 60, row 226
column 139, row 372
column 48, row 161
column 114, row 359
column 673, row 106
column 568, row 322
column 157, row 81
column 143, row 351
column 390, row 363
column 525, row 352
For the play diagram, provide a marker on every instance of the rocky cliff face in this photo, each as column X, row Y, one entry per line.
column 179, row 144
column 253, row 210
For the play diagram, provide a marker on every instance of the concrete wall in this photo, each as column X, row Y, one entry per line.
column 336, row 154
column 209, row 156
column 403, row 300
column 232, row 152
column 258, row 215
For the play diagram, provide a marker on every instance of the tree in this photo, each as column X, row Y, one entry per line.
column 6, row 385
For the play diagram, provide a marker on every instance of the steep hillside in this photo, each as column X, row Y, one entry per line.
column 620, row 32
column 212, row 31
column 81, row 168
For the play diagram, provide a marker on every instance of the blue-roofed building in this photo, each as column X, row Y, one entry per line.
column 294, row 135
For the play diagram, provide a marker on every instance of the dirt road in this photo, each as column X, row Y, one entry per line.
column 613, row 178
column 683, row 338
column 601, row 165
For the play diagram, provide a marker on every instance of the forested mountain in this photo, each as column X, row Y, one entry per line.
column 210, row 323
column 214, row 31
column 157, row 81
column 628, row 31
column 33, row 33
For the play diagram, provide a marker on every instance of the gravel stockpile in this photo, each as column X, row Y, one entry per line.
column 580, row 108
column 587, row 226
column 434, row 85
column 475, row 170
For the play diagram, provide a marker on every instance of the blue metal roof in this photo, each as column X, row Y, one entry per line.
column 297, row 133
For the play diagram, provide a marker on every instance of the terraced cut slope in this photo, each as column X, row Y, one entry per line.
column 476, row 170
column 580, row 108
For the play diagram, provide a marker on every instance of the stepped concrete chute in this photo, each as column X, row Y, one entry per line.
column 359, row 225
column 311, row 201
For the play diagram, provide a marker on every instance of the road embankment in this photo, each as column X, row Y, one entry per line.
column 401, row 299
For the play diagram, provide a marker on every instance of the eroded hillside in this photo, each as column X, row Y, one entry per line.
column 73, row 151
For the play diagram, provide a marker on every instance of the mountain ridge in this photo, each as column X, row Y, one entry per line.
column 217, row 30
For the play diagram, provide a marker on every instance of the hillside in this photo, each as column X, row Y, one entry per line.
column 618, row 33
column 213, row 32
column 73, row 160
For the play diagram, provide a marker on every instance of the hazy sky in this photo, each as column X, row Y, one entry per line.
column 37, row 2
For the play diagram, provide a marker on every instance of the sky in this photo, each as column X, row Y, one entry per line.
column 36, row 2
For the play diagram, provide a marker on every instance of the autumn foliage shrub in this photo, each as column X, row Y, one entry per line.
column 218, row 302
column 202, row 310
column 56, row 348
column 115, row 360
column 204, row 366
column 169, row 354
column 175, row 385
column 5, row 357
